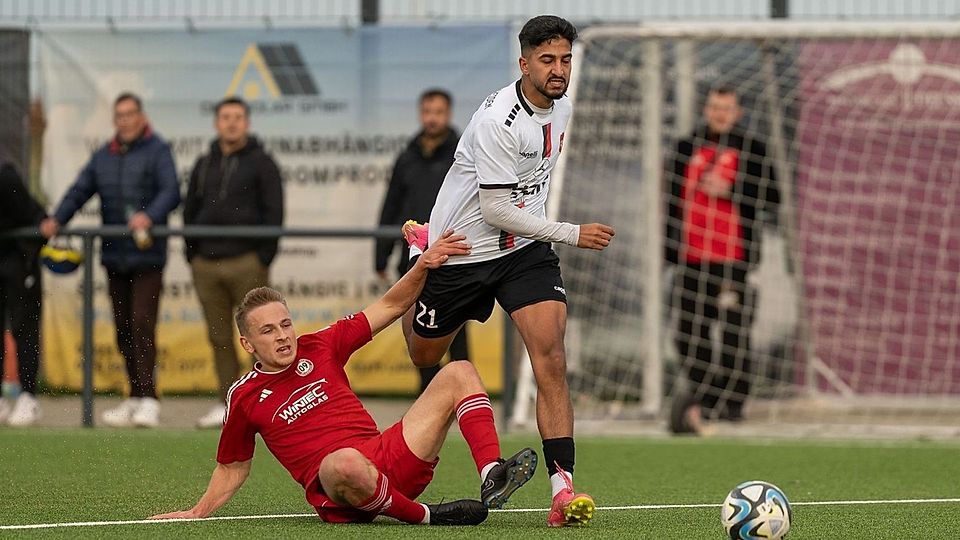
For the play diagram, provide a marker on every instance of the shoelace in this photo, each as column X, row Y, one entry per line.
column 565, row 476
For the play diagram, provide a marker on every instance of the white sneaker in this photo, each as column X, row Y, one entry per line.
column 120, row 415
column 4, row 410
column 213, row 418
column 26, row 411
column 147, row 414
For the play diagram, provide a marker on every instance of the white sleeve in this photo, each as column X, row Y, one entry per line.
column 499, row 212
column 496, row 154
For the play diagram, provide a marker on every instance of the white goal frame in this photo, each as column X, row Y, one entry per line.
column 649, row 77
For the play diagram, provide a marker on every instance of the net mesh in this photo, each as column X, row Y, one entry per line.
column 842, row 177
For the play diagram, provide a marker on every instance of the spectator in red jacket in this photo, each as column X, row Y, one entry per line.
column 720, row 183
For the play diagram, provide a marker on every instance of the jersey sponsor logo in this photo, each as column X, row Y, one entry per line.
column 304, row 367
column 526, row 191
column 303, row 399
column 529, row 155
column 542, row 171
column 487, row 103
column 264, row 395
column 560, row 290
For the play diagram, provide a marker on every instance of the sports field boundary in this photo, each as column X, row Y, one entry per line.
column 504, row 510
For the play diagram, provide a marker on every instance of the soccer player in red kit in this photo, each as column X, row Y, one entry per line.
column 299, row 400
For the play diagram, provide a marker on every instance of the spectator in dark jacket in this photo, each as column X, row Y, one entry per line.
column 720, row 182
column 136, row 179
column 20, row 293
column 416, row 180
column 236, row 183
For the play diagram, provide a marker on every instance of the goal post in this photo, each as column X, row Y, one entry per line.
column 850, row 313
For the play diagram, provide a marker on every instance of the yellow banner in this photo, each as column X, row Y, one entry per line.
column 185, row 359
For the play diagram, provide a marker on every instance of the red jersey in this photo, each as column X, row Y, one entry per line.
column 305, row 411
column 712, row 229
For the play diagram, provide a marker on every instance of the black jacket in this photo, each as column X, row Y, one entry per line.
column 139, row 176
column 413, row 189
column 243, row 188
column 755, row 189
column 17, row 209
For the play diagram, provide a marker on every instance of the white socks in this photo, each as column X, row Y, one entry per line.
column 426, row 514
column 486, row 470
column 558, row 483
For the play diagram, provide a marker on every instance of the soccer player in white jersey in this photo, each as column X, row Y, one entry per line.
column 495, row 194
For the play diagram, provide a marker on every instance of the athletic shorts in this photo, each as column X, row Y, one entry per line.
column 456, row 293
column 390, row 454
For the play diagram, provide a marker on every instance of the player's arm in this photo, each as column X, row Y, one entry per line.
column 224, row 483
column 497, row 153
column 392, row 305
column 498, row 211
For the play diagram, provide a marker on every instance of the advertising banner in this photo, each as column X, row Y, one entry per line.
column 334, row 107
column 877, row 192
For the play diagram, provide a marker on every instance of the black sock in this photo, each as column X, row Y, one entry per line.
column 559, row 451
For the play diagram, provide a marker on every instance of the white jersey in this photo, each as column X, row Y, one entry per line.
column 509, row 143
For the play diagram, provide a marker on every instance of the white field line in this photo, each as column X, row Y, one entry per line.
column 506, row 510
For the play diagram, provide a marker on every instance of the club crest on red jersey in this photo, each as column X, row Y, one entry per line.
column 304, row 367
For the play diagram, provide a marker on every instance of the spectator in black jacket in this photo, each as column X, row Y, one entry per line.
column 20, row 293
column 136, row 179
column 236, row 183
column 720, row 182
column 416, row 180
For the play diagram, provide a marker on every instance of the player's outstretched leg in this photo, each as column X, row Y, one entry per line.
column 350, row 479
column 542, row 326
column 500, row 477
column 457, row 393
column 507, row 476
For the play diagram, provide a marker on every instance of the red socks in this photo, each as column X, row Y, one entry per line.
column 475, row 416
column 388, row 501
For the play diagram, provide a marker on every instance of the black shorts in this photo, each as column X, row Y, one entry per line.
column 456, row 293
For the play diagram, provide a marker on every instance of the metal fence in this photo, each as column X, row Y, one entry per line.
column 89, row 234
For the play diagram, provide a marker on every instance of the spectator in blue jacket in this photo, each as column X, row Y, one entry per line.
column 136, row 179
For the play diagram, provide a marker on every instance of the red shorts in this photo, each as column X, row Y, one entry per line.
column 406, row 472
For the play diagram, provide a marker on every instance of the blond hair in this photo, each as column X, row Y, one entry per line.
column 260, row 296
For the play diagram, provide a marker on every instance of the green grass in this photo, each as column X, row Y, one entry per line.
column 96, row 475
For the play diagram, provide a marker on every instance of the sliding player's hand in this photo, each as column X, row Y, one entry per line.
column 448, row 245
column 595, row 236
column 183, row 514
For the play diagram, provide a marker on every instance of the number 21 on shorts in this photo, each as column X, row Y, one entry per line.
column 430, row 314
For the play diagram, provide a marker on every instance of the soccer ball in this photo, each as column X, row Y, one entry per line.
column 755, row 510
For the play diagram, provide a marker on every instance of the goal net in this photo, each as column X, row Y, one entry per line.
column 848, row 314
